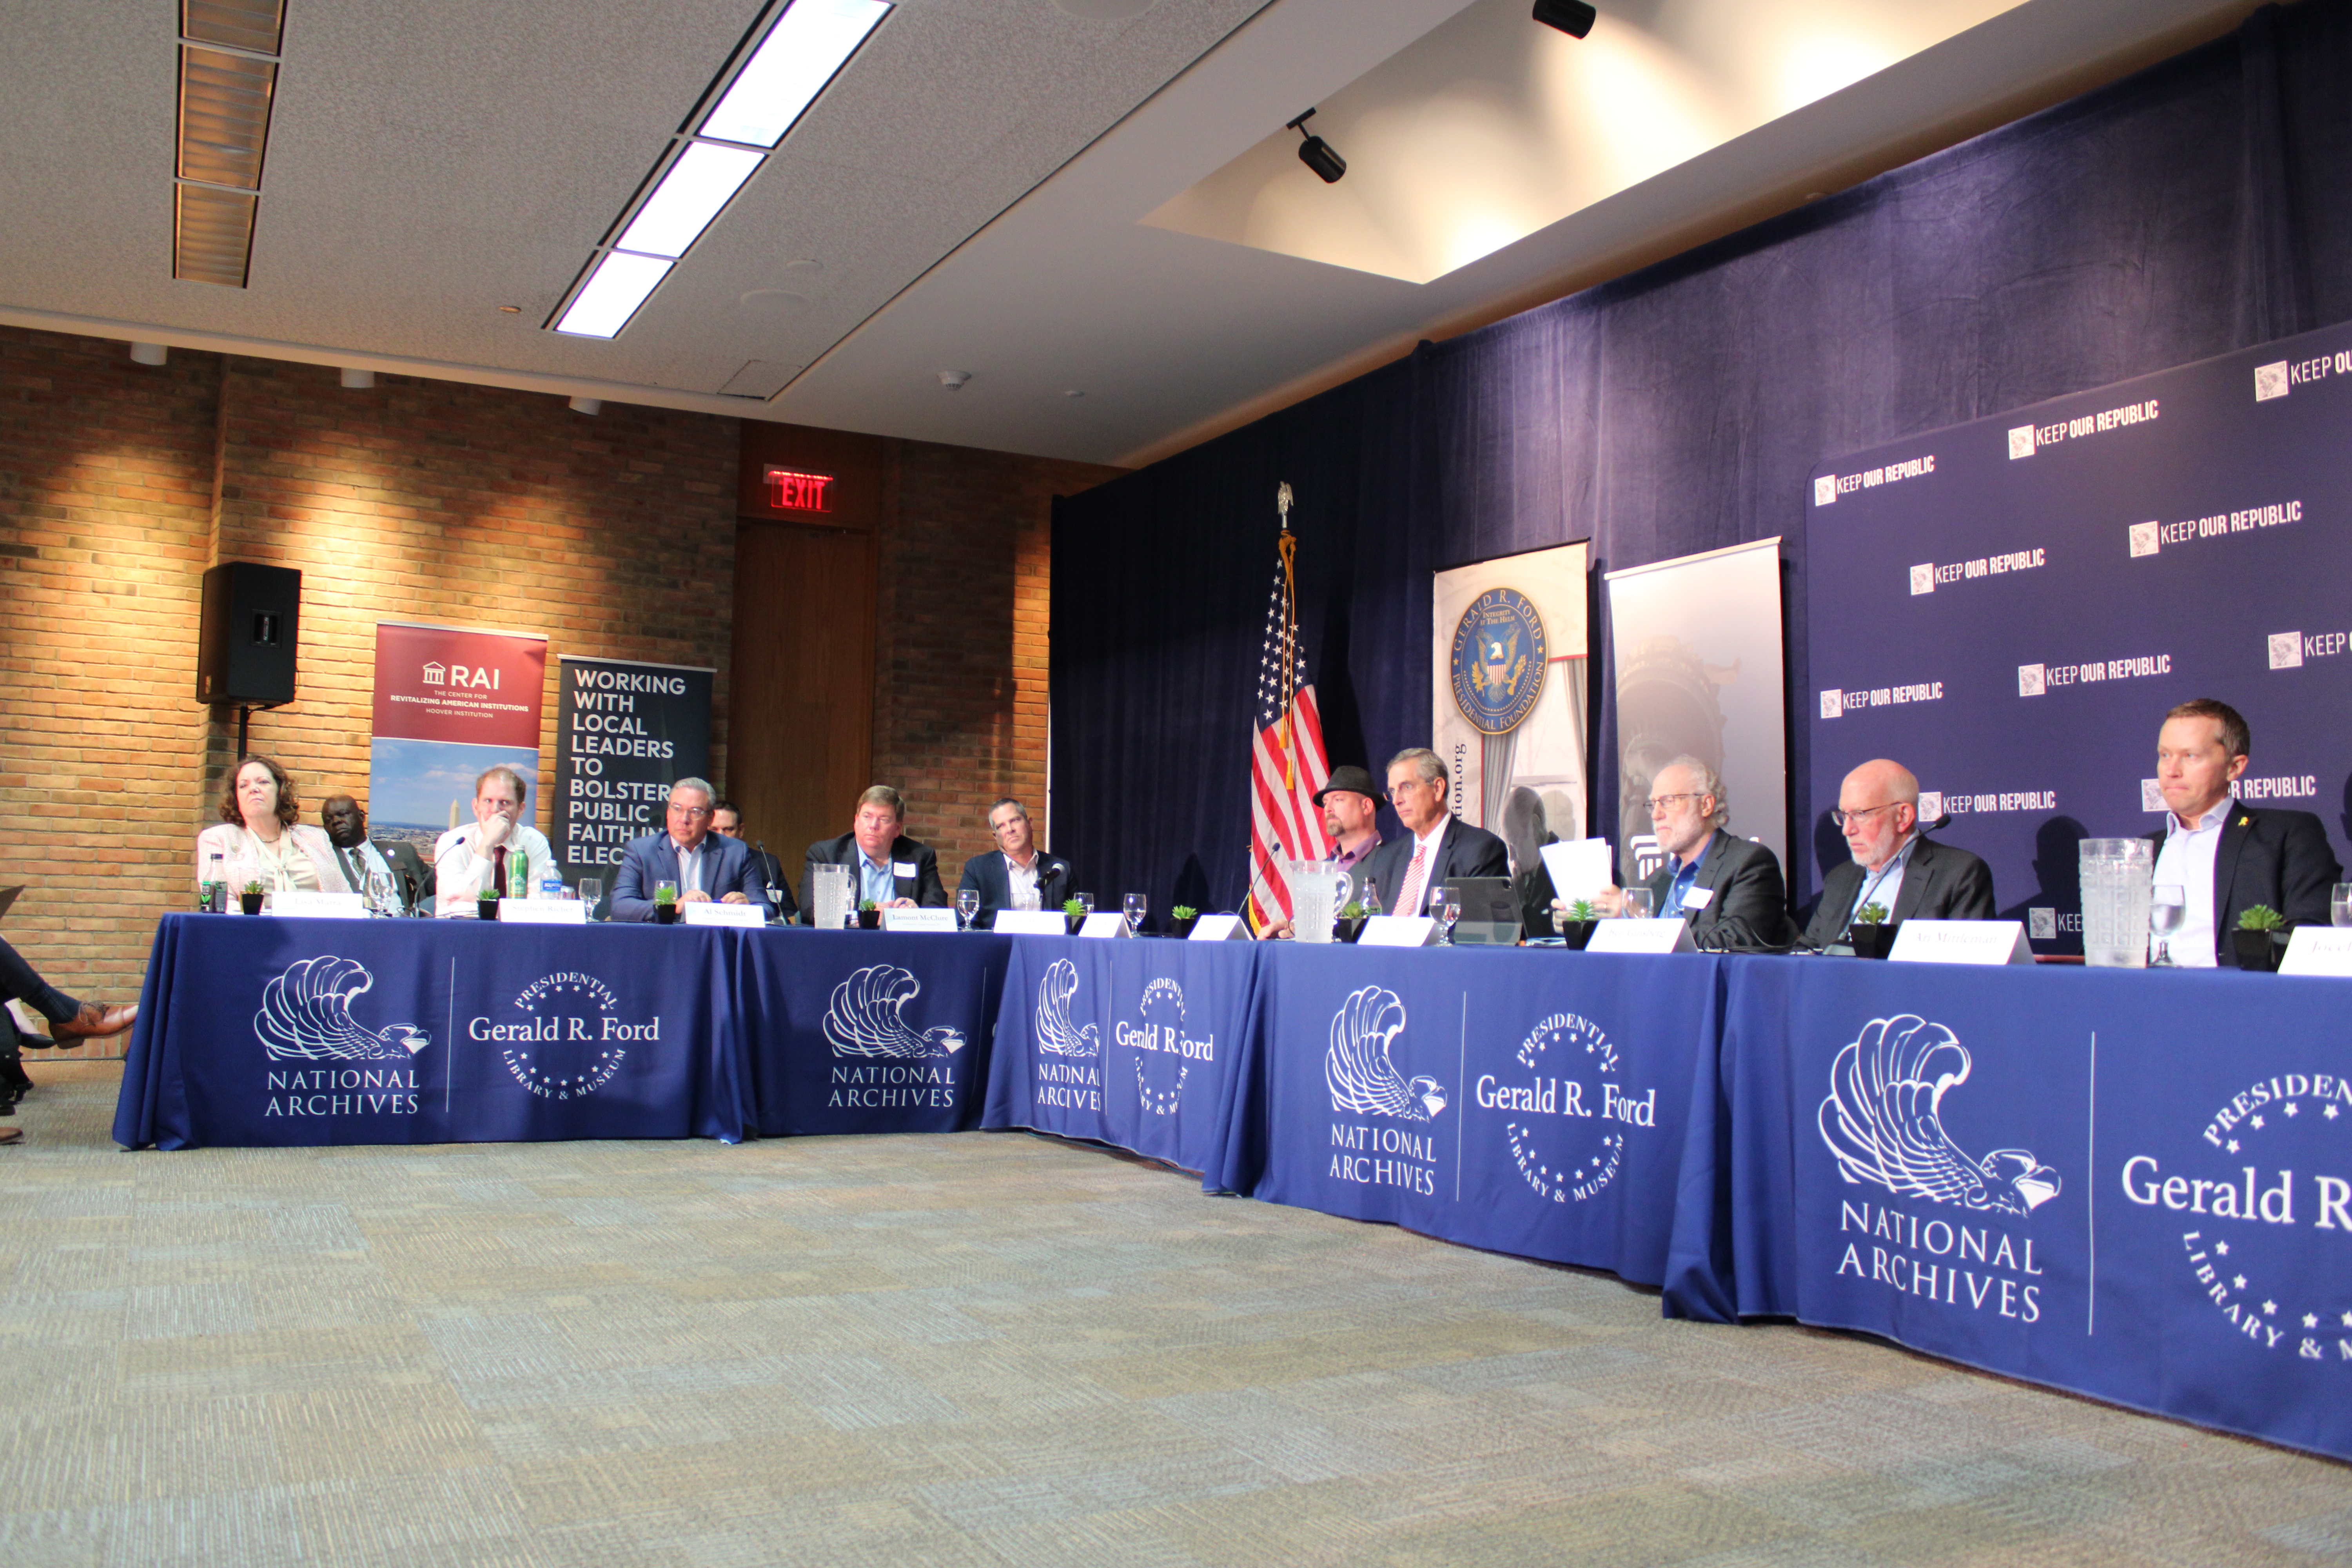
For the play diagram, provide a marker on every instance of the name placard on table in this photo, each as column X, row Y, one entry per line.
column 1397, row 930
column 711, row 913
column 1032, row 922
column 1104, row 922
column 1661, row 934
column 1218, row 928
column 2317, row 950
column 1960, row 941
column 919, row 921
column 544, row 912
column 308, row 904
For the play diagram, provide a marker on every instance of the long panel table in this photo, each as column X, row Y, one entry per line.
column 2131, row 1184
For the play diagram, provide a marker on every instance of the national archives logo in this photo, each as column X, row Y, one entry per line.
column 1362, row 1077
column 866, row 1019
column 572, row 1037
column 1571, row 1116
column 2250, row 1194
column 1068, row 1076
column 354, row 1070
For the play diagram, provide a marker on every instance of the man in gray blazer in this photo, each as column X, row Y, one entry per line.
column 1890, row 865
column 1720, row 880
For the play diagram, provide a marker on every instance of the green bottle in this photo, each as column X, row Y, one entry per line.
column 518, row 873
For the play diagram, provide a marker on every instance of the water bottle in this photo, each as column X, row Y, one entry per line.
column 518, row 873
column 550, row 886
column 216, row 888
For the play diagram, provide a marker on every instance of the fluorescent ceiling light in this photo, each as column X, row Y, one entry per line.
column 809, row 43
column 689, row 197
column 614, row 290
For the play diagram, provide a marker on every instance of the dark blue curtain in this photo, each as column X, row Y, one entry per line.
column 2193, row 209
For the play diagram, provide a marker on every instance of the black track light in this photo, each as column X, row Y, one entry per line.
column 1573, row 17
column 1316, row 154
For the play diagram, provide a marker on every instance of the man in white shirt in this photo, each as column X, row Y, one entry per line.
column 470, row 861
column 1020, row 876
column 2226, row 858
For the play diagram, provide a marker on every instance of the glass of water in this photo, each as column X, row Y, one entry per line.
column 2339, row 905
column 2167, row 906
column 1086, row 903
column 1137, row 906
column 776, row 902
column 967, row 906
column 1449, row 909
column 591, row 893
column 1639, row 901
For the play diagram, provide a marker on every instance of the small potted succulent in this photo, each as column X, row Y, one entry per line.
column 1179, row 920
column 251, row 898
column 1874, row 934
column 1350, row 922
column 1075, row 911
column 2261, row 930
column 1576, row 926
column 869, row 915
column 665, row 906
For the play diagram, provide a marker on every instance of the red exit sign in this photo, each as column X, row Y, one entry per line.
column 792, row 490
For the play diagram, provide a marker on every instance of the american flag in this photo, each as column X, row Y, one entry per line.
column 1288, row 763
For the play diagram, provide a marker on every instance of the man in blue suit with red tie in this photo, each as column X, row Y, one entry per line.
column 706, row 865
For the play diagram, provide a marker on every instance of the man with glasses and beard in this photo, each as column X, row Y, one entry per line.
column 1892, row 866
column 1714, row 876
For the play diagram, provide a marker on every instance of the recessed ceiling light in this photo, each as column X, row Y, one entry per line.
column 953, row 380
column 613, row 293
column 703, row 180
column 1074, row 392
column 808, row 45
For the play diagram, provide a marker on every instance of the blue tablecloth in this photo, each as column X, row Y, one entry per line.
column 2133, row 1185
column 867, row 1031
column 292, row 1032
column 1531, row 1102
column 1127, row 1043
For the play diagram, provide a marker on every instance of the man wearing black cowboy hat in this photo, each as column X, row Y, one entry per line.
column 1351, row 803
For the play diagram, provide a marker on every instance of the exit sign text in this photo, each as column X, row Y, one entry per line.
column 791, row 491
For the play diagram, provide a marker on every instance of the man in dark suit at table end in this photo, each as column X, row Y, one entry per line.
column 1016, row 874
column 886, row 868
column 706, row 867
column 2224, row 857
column 1890, row 865
column 1435, row 844
column 1720, row 880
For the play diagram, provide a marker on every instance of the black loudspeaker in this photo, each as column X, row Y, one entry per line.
column 245, row 652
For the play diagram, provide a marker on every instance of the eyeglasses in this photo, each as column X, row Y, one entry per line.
column 676, row 810
column 1840, row 815
column 1658, row 803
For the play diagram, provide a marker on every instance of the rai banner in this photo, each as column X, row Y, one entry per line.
column 1508, row 685
column 624, row 733
column 450, row 704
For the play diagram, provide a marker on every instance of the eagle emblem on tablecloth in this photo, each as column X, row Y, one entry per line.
column 1357, row 1068
column 1883, row 1122
column 863, row 1019
column 1056, row 1033
column 305, row 1013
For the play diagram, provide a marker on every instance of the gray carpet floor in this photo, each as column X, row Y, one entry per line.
column 985, row 1349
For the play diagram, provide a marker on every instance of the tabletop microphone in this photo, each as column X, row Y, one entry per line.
column 1938, row 825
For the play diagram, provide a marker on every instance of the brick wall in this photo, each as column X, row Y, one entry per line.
column 958, row 705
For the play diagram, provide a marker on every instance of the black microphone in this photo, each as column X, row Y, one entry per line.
column 1938, row 825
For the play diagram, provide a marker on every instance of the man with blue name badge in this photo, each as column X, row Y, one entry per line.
column 2226, row 858
column 888, row 870
column 1730, row 887
column 704, row 867
column 470, row 861
column 1890, row 865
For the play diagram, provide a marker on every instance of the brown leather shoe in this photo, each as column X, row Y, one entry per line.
column 12, row 1135
column 95, row 1023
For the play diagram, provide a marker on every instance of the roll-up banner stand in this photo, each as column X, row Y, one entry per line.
column 450, row 703
column 624, row 732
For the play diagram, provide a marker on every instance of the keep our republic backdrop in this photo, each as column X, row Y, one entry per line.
column 2008, row 607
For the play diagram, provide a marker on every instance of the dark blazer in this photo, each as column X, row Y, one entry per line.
column 1940, row 883
column 993, row 875
column 727, row 868
column 1462, row 851
column 2270, row 857
column 924, row 886
column 1745, row 880
column 772, row 872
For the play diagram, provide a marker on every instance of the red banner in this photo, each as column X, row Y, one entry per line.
column 434, row 683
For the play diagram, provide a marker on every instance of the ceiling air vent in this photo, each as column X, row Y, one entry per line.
column 228, row 77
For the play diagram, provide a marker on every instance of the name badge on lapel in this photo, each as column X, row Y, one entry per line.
column 902, row 867
column 1696, row 899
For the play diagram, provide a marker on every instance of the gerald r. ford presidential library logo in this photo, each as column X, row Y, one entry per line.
column 570, row 1039
column 1883, row 1122
column 1158, row 1037
column 352, row 1070
column 2244, row 1212
column 1067, row 1075
column 1363, row 1078
column 903, row 1067
column 1568, row 1130
column 1498, row 660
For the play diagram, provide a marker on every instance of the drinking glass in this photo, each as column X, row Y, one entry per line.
column 2167, row 906
column 379, row 893
column 967, row 906
column 1449, row 909
column 2339, row 905
column 1137, row 907
column 669, row 887
column 591, row 893
column 1086, row 903
column 1638, row 902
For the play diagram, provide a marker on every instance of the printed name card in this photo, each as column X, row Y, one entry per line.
column 318, row 906
column 2318, row 950
column 1659, row 935
column 712, row 912
column 1104, row 922
column 1960, row 941
column 1218, row 928
column 1398, row 930
column 920, row 920
column 543, row 913
column 1033, row 922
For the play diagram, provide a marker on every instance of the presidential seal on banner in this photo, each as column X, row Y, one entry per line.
column 1498, row 660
